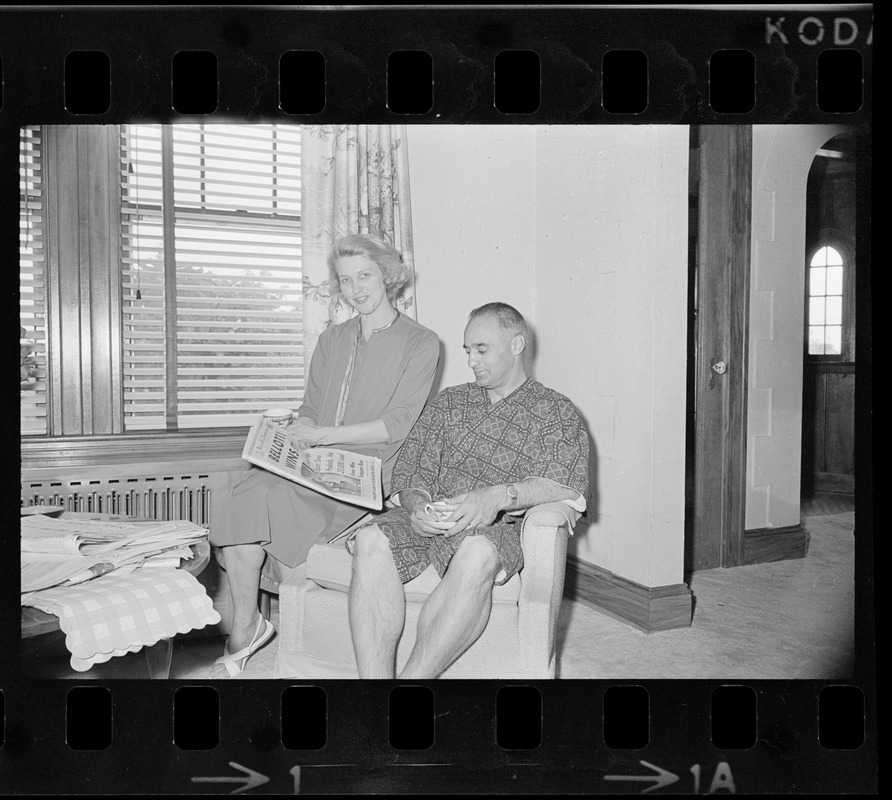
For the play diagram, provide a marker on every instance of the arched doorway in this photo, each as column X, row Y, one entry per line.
column 828, row 399
column 761, row 503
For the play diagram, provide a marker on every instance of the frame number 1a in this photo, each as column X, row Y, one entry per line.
column 722, row 780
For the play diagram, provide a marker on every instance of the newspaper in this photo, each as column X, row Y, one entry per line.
column 68, row 551
column 44, row 534
column 341, row 474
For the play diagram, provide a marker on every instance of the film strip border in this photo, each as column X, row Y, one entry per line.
column 570, row 65
column 751, row 65
column 699, row 737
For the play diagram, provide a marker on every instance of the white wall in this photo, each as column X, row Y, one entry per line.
column 611, row 311
column 584, row 230
column 473, row 220
column 782, row 158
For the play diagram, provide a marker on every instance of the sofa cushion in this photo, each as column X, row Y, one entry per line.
column 331, row 566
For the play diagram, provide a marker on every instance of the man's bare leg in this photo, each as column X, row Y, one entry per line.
column 456, row 613
column 243, row 563
column 376, row 605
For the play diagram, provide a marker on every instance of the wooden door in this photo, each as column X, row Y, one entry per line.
column 828, row 428
column 719, row 358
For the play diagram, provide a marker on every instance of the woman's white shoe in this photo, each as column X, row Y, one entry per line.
column 235, row 662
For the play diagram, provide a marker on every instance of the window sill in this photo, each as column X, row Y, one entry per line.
column 197, row 449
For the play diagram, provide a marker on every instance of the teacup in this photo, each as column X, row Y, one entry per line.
column 279, row 417
column 437, row 510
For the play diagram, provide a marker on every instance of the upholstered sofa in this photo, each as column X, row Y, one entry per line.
column 518, row 642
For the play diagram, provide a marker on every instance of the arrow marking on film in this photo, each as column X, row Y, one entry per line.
column 250, row 779
column 661, row 779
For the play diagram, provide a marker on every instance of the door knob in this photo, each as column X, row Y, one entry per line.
column 718, row 368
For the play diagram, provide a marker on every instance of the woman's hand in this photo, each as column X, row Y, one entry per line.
column 307, row 432
column 357, row 433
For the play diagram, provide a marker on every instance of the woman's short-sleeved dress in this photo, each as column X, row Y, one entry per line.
column 392, row 377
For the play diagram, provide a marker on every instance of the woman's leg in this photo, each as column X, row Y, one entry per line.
column 243, row 563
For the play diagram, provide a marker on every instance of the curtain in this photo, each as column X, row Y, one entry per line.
column 354, row 179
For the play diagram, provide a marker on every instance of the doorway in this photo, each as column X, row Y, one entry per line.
column 720, row 200
column 829, row 351
column 748, row 477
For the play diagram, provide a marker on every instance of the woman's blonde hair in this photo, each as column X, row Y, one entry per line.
column 385, row 255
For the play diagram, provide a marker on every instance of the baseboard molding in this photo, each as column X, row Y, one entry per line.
column 764, row 545
column 834, row 482
column 651, row 609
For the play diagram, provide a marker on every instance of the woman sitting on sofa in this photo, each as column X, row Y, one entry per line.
column 368, row 381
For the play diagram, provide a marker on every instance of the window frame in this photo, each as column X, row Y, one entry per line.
column 82, row 255
column 840, row 243
column 194, row 208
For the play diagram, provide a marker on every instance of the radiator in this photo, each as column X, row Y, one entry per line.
column 162, row 497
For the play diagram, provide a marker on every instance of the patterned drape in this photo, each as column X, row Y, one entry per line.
column 354, row 179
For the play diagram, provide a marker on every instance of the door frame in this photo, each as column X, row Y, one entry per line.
column 721, row 323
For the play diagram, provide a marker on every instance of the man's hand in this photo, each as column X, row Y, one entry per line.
column 427, row 524
column 475, row 509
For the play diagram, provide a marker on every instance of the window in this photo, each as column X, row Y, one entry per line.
column 217, row 272
column 31, row 285
column 200, row 326
column 825, row 302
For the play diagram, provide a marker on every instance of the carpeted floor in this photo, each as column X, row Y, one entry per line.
column 788, row 619
column 824, row 503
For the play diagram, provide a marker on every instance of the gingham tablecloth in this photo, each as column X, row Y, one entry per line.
column 118, row 614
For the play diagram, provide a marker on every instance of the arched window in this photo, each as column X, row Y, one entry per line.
column 826, row 279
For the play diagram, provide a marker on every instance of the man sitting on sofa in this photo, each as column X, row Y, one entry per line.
column 480, row 455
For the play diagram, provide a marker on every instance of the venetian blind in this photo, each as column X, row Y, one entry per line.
column 32, row 284
column 212, row 285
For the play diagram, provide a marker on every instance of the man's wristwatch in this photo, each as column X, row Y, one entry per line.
column 511, row 491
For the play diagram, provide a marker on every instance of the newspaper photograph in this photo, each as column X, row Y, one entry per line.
column 346, row 476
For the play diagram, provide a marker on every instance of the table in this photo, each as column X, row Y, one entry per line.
column 37, row 623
